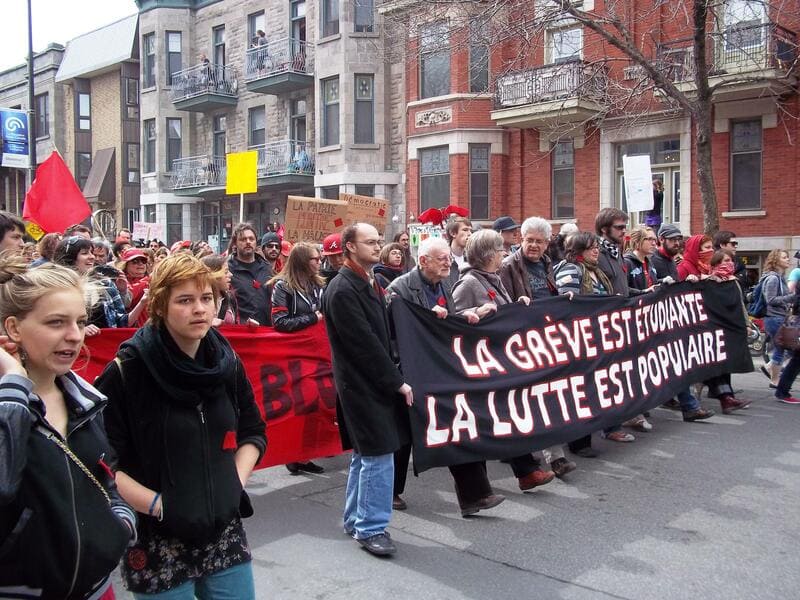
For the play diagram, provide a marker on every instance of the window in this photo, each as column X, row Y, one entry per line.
column 330, row 192
column 42, row 123
column 563, row 177
column 84, row 112
column 149, row 127
column 565, row 45
column 434, row 177
column 173, row 54
column 330, row 112
column 364, row 15
column 330, row 17
column 174, row 223
column 746, row 165
column 149, row 63
column 365, row 105
column 298, row 21
column 255, row 23
column 220, row 141
column 743, row 30
column 149, row 213
column 83, row 164
column 365, row 190
column 257, row 126
column 173, row 142
column 298, row 120
column 132, row 163
column 478, row 57
column 218, row 39
column 131, row 98
column 479, row 155
column 434, row 60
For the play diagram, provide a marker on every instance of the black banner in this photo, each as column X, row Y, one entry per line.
column 531, row 377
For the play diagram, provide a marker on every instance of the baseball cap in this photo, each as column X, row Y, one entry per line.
column 132, row 253
column 332, row 244
column 270, row 238
column 505, row 224
column 668, row 230
column 180, row 245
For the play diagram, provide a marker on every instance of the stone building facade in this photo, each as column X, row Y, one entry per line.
column 311, row 97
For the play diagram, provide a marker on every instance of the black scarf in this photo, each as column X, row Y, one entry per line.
column 186, row 381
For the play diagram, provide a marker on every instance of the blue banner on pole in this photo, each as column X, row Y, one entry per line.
column 14, row 136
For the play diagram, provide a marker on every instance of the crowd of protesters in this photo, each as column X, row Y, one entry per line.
column 154, row 456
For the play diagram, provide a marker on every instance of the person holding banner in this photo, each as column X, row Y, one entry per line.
column 187, row 432
column 480, row 290
column 63, row 524
column 425, row 287
column 372, row 416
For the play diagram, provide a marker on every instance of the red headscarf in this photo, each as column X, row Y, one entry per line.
column 695, row 262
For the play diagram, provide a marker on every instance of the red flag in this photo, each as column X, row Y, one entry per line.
column 55, row 201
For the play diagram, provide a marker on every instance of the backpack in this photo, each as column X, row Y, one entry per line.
column 758, row 303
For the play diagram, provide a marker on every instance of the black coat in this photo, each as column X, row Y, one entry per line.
column 292, row 311
column 57, row 530
column 373, row 418
column 253, row 294
column 664, row 266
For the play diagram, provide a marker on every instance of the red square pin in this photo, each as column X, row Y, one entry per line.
column 338, row 223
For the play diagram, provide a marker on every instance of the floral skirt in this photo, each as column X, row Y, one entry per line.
column 156, row 563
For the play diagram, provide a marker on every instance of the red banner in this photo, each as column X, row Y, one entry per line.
column 292, row 382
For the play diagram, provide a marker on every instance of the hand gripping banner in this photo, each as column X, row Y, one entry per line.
column 530, row 377
column 292, row 383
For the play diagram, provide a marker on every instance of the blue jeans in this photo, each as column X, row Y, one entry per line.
column 687, row 401
column 771, row 326
column 235, row 583
column 790, row 372
column 368, row 499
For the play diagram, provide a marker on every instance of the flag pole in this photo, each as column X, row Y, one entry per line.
column 31, row 100
column 241, row 208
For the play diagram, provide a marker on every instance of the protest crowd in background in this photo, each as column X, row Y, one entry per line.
column 162, row 472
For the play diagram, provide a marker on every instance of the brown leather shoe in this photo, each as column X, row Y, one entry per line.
column 398, row 503
column 730, row 404
column 484, row 503
column 535, row 479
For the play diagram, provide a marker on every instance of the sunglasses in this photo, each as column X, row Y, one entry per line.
column 274, row 246
column 620, row 227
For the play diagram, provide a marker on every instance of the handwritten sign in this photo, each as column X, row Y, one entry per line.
column 147, row 231
column 311, row 219
column 366, row 209
column 638, row 182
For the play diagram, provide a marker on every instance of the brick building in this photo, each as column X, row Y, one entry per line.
column 310, row 96
column 517, row 117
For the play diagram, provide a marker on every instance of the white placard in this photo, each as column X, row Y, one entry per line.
column 147, row 231
column 638, row 183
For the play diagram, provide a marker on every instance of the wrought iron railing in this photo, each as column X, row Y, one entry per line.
column 550, row 82
column 737, row 49
column 286, row 55
column 287, row 157
column 205, row 78
column 198, row 171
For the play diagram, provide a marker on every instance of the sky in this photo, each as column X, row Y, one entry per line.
column 53, row 21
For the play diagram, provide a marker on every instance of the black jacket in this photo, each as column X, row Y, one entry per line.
column 252, row 291
column 176, row 423
column 293, row 311
column 635, row 270
column 664, row 266
column 58, row 532
column 385, row 275
column 373, row 418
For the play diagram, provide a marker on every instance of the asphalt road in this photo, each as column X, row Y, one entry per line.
column 690, row 510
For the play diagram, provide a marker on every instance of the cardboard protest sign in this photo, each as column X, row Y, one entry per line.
column 366, row 209
column 147, row 231
column 311, row 219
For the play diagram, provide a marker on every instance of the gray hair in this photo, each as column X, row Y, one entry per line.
column 428, row 244
column 537, row 225
column 481, row 246
column 567, row 229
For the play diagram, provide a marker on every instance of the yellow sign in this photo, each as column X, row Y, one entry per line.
column 34, row 230
column 242, row 168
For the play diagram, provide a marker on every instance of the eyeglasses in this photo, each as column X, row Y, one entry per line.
column 440, row 259
column 273, row 246
column 535, row 242
column 370, row 243
column 138, row 261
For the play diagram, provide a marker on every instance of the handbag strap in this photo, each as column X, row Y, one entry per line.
column 78, row 462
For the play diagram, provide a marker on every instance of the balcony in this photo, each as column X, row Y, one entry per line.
column 279, row 67
column 204, row 87
column 198, row 175
column 744, row 62
column 569, row 93
column 284, row 165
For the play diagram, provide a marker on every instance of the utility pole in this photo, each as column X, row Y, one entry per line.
column 31, row 100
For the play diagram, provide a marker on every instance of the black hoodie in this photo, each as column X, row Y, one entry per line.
column 176, row 423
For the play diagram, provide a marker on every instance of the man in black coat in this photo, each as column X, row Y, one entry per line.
column 250, row 274
column 372, row 414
